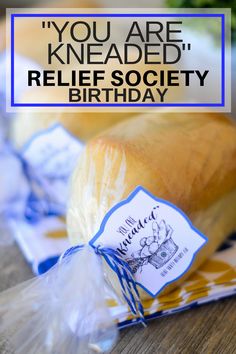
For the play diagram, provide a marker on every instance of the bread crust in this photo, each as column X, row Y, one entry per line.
column 186, row 159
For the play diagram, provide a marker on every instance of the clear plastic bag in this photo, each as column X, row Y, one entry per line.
column 63, row 311
column 14, row 190
column 14, row 185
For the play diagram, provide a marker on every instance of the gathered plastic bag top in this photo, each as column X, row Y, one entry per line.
column 63, row 311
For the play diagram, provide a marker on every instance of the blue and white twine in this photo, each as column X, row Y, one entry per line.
column 125, row 276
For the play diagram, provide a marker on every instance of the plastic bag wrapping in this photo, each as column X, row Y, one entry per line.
column 64, row 311
column 49, row 158
column 35, row 180
column 14, row 190
column 40, row 201
column 171, row 156
column 4, row 121
column 14, row 186
column 7, row 164
column 22, row 63
column 14, row 183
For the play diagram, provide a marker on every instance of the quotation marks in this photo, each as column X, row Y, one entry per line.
column 186, row 46
column 46, row 24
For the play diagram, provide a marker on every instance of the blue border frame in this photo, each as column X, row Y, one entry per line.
column 221, row 104
column 126, row 201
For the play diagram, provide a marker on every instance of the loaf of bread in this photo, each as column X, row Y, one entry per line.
column 82, row 125
column 198, row 148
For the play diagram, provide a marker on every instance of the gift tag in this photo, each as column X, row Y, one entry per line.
column 50, row 159
column 155, row 237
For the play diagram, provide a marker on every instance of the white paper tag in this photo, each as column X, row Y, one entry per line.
column 155, row 237
column 52, row 155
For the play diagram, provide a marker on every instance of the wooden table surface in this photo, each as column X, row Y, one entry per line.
column 208, row 329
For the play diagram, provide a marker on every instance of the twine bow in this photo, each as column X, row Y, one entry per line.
column 125, row 276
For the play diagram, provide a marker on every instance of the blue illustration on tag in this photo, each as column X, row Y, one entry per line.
column 49, row 159
column 153, row 236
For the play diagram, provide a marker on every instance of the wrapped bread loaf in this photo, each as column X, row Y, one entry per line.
column 81, row 125
column 186, row 159
column 84, row 125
